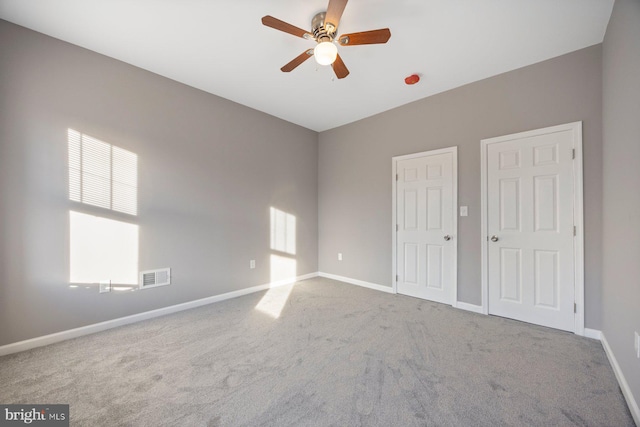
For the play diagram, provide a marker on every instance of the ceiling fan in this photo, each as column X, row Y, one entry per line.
column 323, row 31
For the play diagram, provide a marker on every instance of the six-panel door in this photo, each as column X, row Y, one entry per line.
column 425, row 215
column 530, row 226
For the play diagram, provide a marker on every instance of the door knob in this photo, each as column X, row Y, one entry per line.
column 494, row 238
column 447, row 237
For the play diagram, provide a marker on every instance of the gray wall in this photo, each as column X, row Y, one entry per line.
column 621, row 173
column 355, row 165
column 209, row 170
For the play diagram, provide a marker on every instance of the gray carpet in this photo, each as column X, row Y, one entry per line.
column 337, row 355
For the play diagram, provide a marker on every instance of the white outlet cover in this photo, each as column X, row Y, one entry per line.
column 252, row 263
column 339, row 256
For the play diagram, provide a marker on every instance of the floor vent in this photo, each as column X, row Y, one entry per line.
column 153, row 278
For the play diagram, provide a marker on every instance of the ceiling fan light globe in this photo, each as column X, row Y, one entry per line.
column 325, row 53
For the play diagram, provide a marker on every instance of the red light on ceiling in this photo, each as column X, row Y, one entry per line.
column 412, row 79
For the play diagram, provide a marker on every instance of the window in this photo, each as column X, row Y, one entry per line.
column 101, row 174
column 104, row 176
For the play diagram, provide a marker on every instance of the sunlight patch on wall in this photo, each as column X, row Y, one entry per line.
column 282, row 269
column 102, row 249
column 283, row 231
column 101, row 174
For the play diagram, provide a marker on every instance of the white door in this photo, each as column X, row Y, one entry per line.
column 530, row 228
column 425, row 217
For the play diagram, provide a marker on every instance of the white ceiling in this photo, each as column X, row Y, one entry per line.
column 220, row 46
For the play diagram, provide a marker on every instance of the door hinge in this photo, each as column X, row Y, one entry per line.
column 397, row 227
column 396, row 177
column 573, row 153
column 575, row 307
column 574, row 230
column 396, row 277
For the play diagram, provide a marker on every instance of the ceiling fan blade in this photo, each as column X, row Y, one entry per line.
column 277, row 24
column 365, row 37
column 334, row 12
column 297, row 60
column 339, row 68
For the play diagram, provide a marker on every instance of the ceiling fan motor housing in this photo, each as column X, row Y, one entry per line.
column 321, row 32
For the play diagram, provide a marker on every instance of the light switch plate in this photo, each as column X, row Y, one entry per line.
column 105, row 286
column 464, row 211
column 339, row 256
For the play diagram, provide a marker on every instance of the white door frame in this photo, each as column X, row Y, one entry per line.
column 454, row 183
column 578, row 220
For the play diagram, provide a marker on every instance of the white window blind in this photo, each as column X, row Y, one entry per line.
column 101, row 174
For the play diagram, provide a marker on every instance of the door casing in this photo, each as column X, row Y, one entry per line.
column 578, row 219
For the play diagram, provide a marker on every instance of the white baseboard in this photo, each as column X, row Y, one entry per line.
column 593, row 333
column 624, row 386
column 469, row 307
column 589, row 333
column 459, row 304
column 114, row 323
column 357, row 282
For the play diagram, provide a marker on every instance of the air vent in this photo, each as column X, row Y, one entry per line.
column 153, row 278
